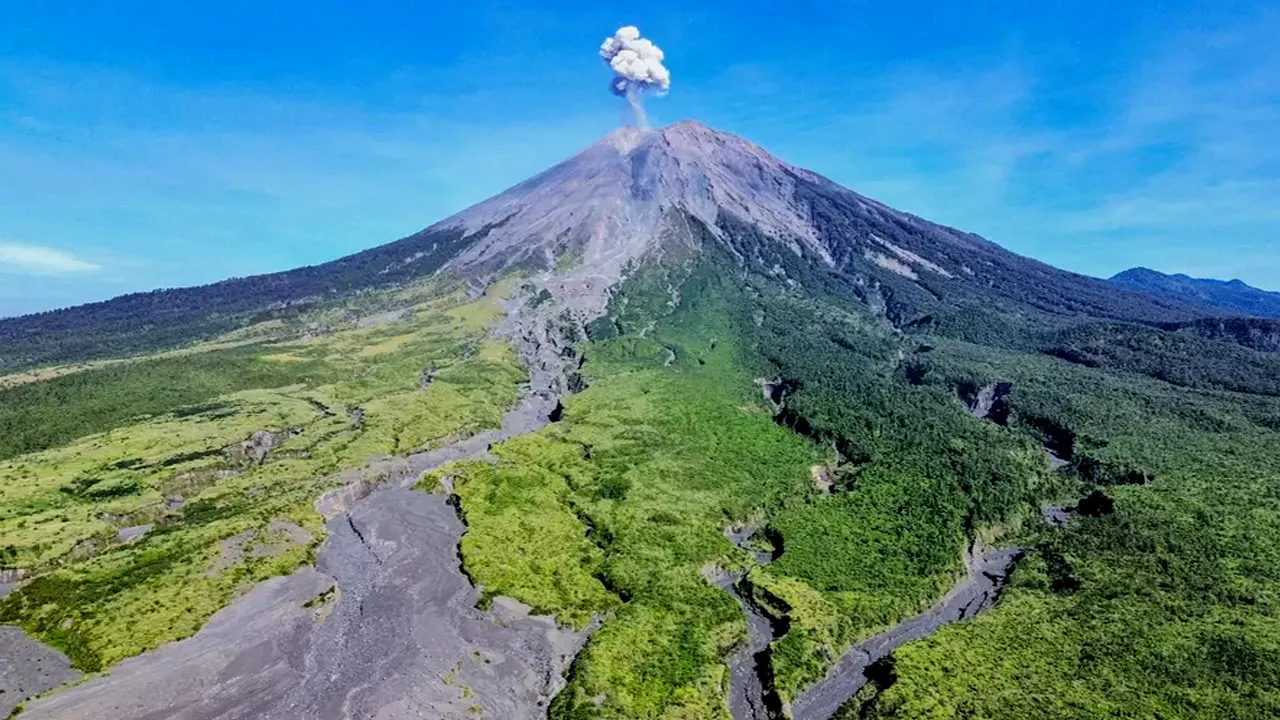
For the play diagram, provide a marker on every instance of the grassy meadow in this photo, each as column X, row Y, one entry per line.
column 152, row 442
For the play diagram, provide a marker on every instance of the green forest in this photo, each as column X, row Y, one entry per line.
column 1162, row 607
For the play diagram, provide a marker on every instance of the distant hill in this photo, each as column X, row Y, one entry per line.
column 1229, row 295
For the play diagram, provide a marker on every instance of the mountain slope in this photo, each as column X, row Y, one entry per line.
column 1229, row 296
column 162, row 319
column 599, row 213
column 624, row 196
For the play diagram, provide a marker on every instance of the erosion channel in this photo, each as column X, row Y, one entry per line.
column 987, row 571
column 384, row 625
column 751, row 694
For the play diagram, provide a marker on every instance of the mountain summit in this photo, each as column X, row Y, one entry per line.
column 633, row 197
column 611, row 202
column 635, row 191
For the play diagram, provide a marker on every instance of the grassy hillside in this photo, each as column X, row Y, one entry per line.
column 156, row 442
column 169, row 318
column 619, row 510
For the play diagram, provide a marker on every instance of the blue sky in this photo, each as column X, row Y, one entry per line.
column 148, row 144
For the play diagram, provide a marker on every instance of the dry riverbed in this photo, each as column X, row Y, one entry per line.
column 384, row 626
column 987, row 572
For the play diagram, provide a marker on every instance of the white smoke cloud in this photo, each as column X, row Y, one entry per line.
column 637, row 68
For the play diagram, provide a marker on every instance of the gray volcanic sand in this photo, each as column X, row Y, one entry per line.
column 28, row 668
column 746, row 691
column 400, row 637
column 402, row 640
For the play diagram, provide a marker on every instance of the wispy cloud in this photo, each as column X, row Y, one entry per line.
column 39, row 260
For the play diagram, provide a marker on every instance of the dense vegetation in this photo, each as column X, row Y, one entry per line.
column 1255, row 333
column 1176, row 358
column 35, row 416
column 673, row 442
column 1164, row 607
column 915, row 477
column 619, row 508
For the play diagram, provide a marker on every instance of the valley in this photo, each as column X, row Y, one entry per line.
column 385, row 622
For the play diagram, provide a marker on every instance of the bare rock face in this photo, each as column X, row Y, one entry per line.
column 336, row 502
column 623, row 198
column 359, row 482
column 381, row 318
column 9, row 577
column 254, row 451
column 635, row 196
column 989, row 402
column 642, row 196
column 132, row 534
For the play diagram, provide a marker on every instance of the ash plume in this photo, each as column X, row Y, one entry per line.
column 637, row 69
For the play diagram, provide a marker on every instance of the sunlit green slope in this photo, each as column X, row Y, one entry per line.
column 156, row 442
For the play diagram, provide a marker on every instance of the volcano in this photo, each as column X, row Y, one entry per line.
column 631, row 199
column 634, row 193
